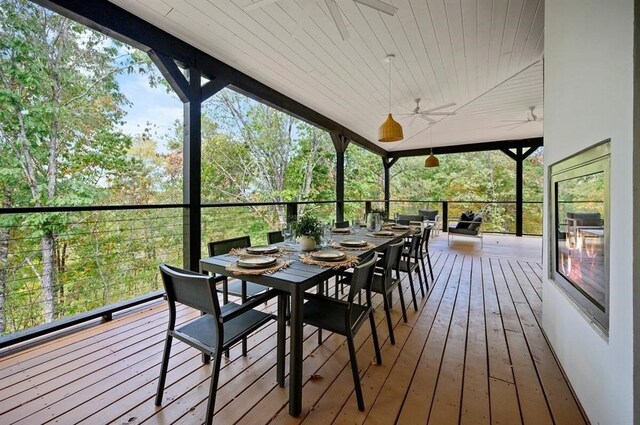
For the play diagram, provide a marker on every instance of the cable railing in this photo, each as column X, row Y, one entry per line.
column 62, row 265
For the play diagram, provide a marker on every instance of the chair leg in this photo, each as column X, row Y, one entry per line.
column 374, row 336
column 430, row 268
column 387, row 312
column 413, row 291
column 424, row 272
column 244, row 300
column 225, row 290
column 213, row 388
column 319, row 336
column 420, row 278
column 354, row 371
column 163, row 369
column 402, row 305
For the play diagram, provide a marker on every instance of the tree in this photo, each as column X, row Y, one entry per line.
column 59, row 103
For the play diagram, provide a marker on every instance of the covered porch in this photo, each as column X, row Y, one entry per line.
column 474, row 352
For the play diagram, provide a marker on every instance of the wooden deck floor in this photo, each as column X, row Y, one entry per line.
column 474, row 353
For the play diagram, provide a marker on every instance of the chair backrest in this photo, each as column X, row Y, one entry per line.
column 392, row 257
column 426, row 234
column 415, row 244
column 342, row 224
column 410, row 217
column 274, row 237
column 362, row 276
column 428, row 214
column 193, row 289
column 224, row 246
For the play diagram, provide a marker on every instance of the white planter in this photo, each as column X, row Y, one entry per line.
column 307, row 243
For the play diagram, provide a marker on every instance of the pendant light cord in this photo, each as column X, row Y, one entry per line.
column 389, row 98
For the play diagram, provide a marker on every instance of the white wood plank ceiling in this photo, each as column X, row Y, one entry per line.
column 484, row 55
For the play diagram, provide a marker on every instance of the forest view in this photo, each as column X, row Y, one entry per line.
column 63, row 143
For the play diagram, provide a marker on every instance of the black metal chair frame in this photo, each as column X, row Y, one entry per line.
column 405, row 265
column 274, row 237
column 346, row 317
column 385, row 284
column 215, row 331
column 424, row 252
column 342, row 224
column 243, row 289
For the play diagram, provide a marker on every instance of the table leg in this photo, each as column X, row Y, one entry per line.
column 295, row 355
column 282, row 328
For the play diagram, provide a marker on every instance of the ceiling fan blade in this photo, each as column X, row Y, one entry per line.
column 258, row 4
column 439, row 113
column 337, row 18
column 379, row 5
column 412, row 120
column 436, row 108
column 424, row 117
column 302, row 18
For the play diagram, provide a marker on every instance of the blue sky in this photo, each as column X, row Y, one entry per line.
column 151, row 105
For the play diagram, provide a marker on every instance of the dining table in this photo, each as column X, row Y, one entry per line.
column 293, row 281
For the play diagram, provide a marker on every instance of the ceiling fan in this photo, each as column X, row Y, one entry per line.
column 531, row 117
column 426, row 114
column 334, row 11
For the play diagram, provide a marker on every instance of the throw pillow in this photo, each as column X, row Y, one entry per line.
column 476, row 222
column 466, row 216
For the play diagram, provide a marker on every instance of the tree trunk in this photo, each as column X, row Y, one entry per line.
column 47, row 246
column 4, row 264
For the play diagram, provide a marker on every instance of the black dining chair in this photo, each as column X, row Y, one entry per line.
column 423, row 253
column 347, row 317
column 274, row 237
column 406, row 265
column 342, row 224
column 219, row 328
column 239, row 288
column 384, row 282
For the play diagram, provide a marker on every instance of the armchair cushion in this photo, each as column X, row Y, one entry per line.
column 585, row 218
column 465, row 218
column 469, row 232
column 476, row 222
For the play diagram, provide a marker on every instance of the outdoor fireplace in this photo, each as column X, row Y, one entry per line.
column 579, row 220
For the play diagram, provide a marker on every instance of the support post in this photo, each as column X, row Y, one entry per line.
column 292, row 211
column 192, row 176
column 445, row 216
column 519, row 156
column 188, row 86
column 340, row 143
column 387, row 163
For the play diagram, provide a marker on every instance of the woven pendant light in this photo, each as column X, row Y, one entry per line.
column 431, row 160
column 390, row 130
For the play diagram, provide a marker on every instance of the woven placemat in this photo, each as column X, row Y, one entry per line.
column 242, row 253
column 237, row 270
column 367, row 247
column 348, row 262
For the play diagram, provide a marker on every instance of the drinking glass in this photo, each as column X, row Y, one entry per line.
column 287, row 234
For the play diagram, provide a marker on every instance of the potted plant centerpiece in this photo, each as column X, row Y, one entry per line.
column 308, row 231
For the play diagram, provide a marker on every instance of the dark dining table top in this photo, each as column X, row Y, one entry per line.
column 297, row 272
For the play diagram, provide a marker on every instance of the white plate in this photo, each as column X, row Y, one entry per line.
column 341, row 230
column 328, row 255
column 353, row 243
column 256, row 262
column 262, row 249
column 383, row 233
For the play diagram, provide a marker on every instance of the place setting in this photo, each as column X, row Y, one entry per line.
column 257, row 265
column 330, row 258
column 382, row 234
column 352, row 245
column 258, row 251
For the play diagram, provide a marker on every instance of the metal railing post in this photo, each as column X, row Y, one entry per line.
column 292, row 211
column 445, row 216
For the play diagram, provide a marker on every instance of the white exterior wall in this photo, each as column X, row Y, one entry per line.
column 588, row 98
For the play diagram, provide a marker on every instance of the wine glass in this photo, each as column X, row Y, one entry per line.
column 287, row 234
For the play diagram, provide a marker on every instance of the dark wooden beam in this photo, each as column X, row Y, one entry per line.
column 471, row 147
column 510, row 154
column 212, row 87
column 340, row 143
column 170, row 71
column 387, row 163
column 117, row 23
column 192, row 173
column 519, row 191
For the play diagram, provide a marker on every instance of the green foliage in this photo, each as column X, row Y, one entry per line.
column 308, row 225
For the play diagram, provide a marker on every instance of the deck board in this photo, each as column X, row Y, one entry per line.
column 473, row 353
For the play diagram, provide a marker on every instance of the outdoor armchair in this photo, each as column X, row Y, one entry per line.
column 469, row 228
